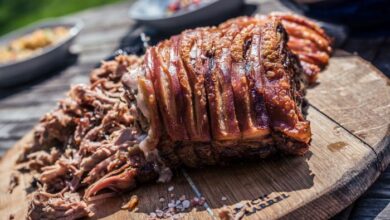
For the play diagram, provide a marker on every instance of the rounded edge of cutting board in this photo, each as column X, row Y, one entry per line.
column 382, row 148
column 377, row 139
column 355, row 182
column 348, row 189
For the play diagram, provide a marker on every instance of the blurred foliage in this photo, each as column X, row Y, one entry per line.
column 18, row 13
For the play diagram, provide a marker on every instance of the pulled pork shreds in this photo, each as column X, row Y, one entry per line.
column 87, row 142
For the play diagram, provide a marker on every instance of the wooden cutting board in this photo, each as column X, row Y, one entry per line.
column 350, row 117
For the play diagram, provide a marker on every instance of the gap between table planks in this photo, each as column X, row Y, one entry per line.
column 350, row 115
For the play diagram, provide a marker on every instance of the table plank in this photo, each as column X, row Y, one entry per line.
column 370, row 208
column 111, row 35
column 14, row 131
column 107, row 16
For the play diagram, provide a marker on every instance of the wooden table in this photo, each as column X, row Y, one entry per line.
column 21, row 108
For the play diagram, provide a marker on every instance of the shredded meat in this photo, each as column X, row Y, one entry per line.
column 205, row 97
column 61, row 205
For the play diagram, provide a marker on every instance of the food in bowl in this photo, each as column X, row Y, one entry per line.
column 177, row 5
column 32, row 43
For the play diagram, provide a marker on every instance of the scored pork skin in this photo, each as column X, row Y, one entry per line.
column 207, row 96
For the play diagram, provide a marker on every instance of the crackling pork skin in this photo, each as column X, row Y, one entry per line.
column 208, row 96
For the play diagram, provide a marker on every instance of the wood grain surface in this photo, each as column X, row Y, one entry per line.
column 349, row 114
column 356, row 95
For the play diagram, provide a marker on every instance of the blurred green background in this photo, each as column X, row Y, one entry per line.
column 18, row 13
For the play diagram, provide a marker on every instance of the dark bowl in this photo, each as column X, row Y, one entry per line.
column 153, row 13
column 26, row 69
